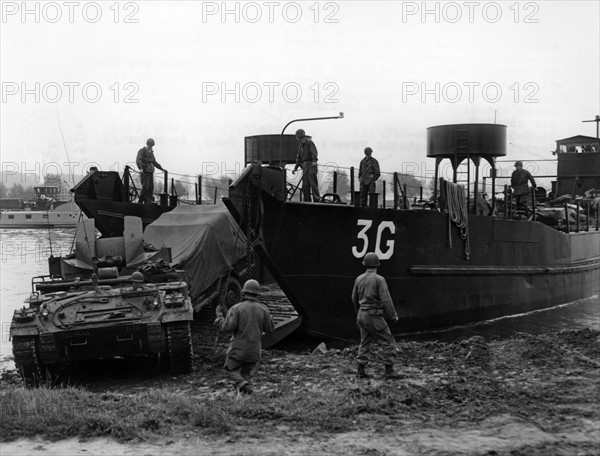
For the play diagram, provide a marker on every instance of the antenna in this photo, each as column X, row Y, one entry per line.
column 64, row 144
column 597, row 120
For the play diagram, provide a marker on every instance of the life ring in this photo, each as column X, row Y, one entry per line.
column 43, row 197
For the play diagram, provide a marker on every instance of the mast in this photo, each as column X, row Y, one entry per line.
column 597, row 120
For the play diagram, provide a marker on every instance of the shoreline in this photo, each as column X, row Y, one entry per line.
column 524, row 395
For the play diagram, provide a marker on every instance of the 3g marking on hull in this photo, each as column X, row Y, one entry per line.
column 380, row 241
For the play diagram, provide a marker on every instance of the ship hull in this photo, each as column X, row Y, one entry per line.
column 315, row 252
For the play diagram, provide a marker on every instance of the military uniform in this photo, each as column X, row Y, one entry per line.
column 146, row 163
column 368, row 173
column 519, row 182
column 307, row 159
column 373, row 303
column 247, row 321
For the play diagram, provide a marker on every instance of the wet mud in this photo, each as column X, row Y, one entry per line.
column 526, row 395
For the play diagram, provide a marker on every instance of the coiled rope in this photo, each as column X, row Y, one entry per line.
column 457, row 213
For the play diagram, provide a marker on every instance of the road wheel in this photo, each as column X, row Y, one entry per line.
column 231, row 292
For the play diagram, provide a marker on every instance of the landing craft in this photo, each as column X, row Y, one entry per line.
column 446, row 263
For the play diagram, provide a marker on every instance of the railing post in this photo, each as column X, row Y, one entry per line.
column 126, row 178
column 352, row 185
column 196, row 187
column 166, row 184
column 383, row 193
column 567, row 217
column 396, row 192
column 587, row 217
column 533, row 203
column 577, row 217
column 335, row 182
column 421, row 194
column 405, row 196
column 215, row 199
column 199, row 189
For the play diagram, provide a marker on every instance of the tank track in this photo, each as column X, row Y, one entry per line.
column 179, row 346
column 25, row 352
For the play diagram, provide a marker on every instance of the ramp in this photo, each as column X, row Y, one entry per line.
column 209, row 341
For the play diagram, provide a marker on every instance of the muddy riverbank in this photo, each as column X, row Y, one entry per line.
column 526, row 395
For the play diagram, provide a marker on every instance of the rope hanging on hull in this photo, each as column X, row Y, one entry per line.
column 457, row 213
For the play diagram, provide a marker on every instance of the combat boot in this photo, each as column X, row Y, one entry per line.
column 246, row 389
column 389, row 373
column 361, row 372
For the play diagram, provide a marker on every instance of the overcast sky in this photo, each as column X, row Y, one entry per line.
column 200, row 76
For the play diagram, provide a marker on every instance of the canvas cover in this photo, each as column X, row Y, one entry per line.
column 204, row 240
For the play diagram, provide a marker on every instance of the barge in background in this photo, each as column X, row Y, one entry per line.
column 445, row 265
column 51, row 208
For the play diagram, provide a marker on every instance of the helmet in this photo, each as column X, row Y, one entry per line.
column 150, row 142
column 368, row 150
column 371, row 260
column 518, row 163
column 300, row 133
column 251, row 287
column 137, row 276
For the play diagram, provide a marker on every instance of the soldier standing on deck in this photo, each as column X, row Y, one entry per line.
column 373, row 303
column 247, row 321
column 368, row 173
column 307, row 159
column 146, row 163
column 519, row 182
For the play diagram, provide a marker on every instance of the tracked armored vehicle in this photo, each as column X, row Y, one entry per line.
column 85, row 320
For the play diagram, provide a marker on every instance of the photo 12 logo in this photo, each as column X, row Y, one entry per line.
column 463, row 12
column 469, row 91
column 270, row 12
column 28, row 251
column 53, row 92
column 55, row 12
column 67, row 171
column 272, row 92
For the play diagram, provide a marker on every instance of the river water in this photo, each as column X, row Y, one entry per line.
column 25, row 252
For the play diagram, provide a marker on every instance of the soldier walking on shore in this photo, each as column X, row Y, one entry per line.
column 373, row 303
column 247, row 320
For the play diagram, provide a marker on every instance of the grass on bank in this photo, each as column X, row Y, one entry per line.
column 68, row 412
column 533, row 378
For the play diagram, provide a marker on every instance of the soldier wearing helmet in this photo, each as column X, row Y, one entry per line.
column 368, row 173
column 137, row 280
column 246, row 321
column 519, row 183
column 307, row 160
column 146, row 163
column 373, row 304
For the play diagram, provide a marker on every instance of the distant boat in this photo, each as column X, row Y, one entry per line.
column 52, row 207
column 64, row 216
